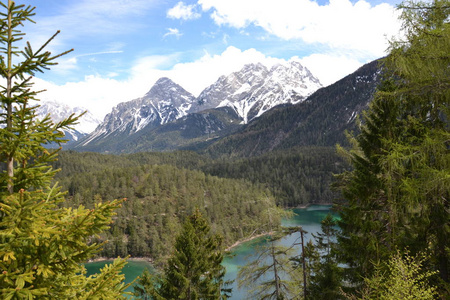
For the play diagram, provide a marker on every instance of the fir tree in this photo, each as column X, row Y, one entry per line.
column 398, row 191
column 42, row 246
column 194, row 270
column 326, row 275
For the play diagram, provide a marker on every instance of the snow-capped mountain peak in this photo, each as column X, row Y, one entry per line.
column 256, row 88
column 250, row 92
column 165, row 102
column 59, row 111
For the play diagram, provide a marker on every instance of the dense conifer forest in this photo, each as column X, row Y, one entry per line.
column 162, row 188
column 158, row 198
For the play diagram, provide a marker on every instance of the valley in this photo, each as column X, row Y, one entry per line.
column 166, row 156
column 177, row 179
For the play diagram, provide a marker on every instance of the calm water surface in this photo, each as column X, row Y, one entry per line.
column 131, row 270
column 308, row 218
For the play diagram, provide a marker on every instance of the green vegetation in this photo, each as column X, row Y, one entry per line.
column 404, row 279
column 159, row 197
column 325, row 274
column 394, row 221
column 183, row 208
column 162, row 188
column 42, row 247
column 295, row 177
column 194, row 270
column 399, row 189
column 270, row 273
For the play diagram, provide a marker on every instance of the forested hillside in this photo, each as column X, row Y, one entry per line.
column 295, row 177
column 159, row 197
column 298, row 176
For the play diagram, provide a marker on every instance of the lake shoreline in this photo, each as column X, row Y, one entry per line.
column 228, row 249
column 99, row 259
column 150, row 260
column 248, row 239
column 305, row 206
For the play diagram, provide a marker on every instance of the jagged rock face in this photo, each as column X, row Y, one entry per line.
column 249, row 93
column 255, row 89
column 165, row 102
column 59, row 111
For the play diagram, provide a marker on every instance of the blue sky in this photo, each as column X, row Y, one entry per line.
column 123, row 46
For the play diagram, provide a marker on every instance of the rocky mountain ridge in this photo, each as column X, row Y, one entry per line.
column 319, row 120
column 249, row 92
column 165, row 102
column 255, row 89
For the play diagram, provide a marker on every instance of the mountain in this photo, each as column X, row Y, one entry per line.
column 164, row 103
column 320, row 120
column 192, row 131
column 255, row 89
column 247, row 94
column 59, row 111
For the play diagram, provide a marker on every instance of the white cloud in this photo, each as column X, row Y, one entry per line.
column 183, row 11
column 339, row 24
column 329, row 68
column 173, row 32
column 96, row 94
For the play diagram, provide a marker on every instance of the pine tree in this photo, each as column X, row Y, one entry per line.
column 326, row 276
column 194, row 270
column 398, row 191
column 42, row 246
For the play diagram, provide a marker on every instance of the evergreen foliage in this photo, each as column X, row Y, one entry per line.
column 405, row 279
column 159, row 197
column 398, row 191
column 42, row 247
column 194, row 270
column 295, row 177
column 326, row 276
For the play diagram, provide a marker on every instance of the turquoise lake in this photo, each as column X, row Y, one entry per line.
column 309, row 218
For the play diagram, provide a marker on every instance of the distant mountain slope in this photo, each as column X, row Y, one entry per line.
column 320, row 120
column 189, row 132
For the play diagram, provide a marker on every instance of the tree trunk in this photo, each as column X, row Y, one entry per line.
column 9, row 112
